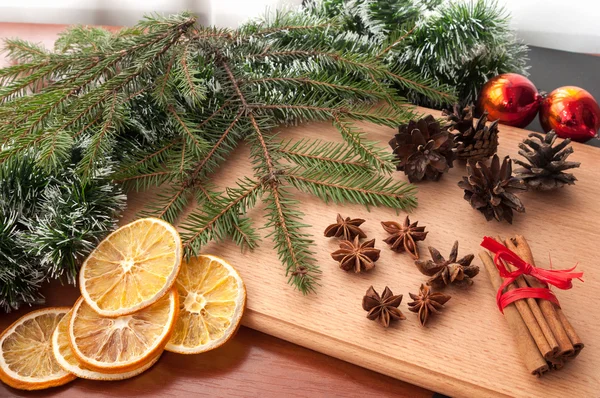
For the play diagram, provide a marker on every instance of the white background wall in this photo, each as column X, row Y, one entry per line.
column 128, row 12
column 572, row 25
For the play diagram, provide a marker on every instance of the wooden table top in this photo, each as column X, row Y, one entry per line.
column 251, row 364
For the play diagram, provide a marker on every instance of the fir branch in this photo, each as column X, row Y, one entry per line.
column 170, row 203
column 267, row 158
column 308, row 112
column 325, row 86
column 81, row 131
column 190, row 87
column 161, row 84
column 24, row 84
column 293, row 246
column 288, row 28
column 102, row 141
column 368, row 151
column 215, row 114
column 365, row 66
column 149, row 161
column 47, row 103
column 168, row 102
column 142, row 182
column 243, row 233
column 217, row 218
column 286, row 22
column 361, row 188
column 211, row 160
column 190, row 133
column 394, row 43
column 233, row 81
column 322, row 155
column 19, row 50
column 410, row 81
column 56, row 150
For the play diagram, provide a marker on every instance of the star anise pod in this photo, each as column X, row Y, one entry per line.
column 444, row 272
column 404, row 237
column 382, row 308
column 356, row 255
column 426, row 303
column 345, row 228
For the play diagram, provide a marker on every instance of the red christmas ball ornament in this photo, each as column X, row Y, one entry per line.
column 572, row 112
column 510, row 98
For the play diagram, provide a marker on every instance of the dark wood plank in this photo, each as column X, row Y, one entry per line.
column 251, row 364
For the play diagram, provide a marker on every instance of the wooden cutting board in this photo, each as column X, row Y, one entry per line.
column 468, row 350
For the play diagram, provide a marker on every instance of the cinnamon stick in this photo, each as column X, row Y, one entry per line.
column 530, row 354
column 556, row 363
column 535, row 309
column 565, row 347
column 573, row 336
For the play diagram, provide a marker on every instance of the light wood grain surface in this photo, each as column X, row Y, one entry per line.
column 468, row 350
column 252, row 364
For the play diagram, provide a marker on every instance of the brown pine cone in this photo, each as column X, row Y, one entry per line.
column 546, row 164
column 489, row 189
column 474, row 141
column 424, row 149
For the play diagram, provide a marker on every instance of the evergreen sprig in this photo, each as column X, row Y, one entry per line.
column 456, row 43
column 168, row 101
column 48, row 224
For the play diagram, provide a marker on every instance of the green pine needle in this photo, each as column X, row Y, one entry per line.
column 166, row 103
column 442, row 45
column 48, row 225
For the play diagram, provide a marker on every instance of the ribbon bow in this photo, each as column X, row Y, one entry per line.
column 558, row 278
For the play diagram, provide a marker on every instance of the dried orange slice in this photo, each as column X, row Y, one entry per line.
column 26, row 360
column 123, row 344
column 132, row 268
column 212, row 297
column 64, row 356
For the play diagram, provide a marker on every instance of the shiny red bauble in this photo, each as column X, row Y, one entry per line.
column 510, row 98
column 572, row 112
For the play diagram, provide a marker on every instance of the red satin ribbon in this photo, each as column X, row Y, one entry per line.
column 560, row 278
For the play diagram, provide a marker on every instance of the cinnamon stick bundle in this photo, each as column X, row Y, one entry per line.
column 541, row 329
column 534, row 318
column 569, row 342
column 534, row 361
